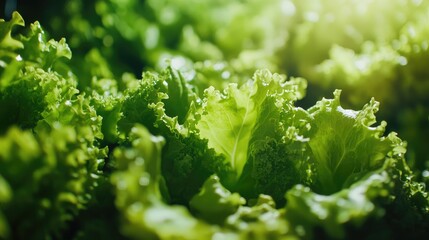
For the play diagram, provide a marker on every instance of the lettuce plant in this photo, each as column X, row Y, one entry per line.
column 206, row 151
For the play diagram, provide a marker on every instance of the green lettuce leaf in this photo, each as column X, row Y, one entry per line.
column 7, row 42
column 229, row 118
column 139, row 185
column 165, row 97
column 260, row 220
column 221, row 201
column 51, row 176
column 352, row 205
column 345, row 145
column 360, row 178
column 166, row 104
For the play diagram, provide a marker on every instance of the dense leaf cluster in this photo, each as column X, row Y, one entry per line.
column 209, row 143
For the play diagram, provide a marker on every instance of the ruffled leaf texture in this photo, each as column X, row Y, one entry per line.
column 50, row 157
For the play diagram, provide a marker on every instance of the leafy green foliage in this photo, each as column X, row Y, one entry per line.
column 352, row 205
column 261, row 220
column 139, row 185
column 51, row 177
column 226, row 41
column 345, row 146
column 223, row 203
column 49, row 170
column 197, row 148
column 187, row 162
column 385, row 61
column 228, row 119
